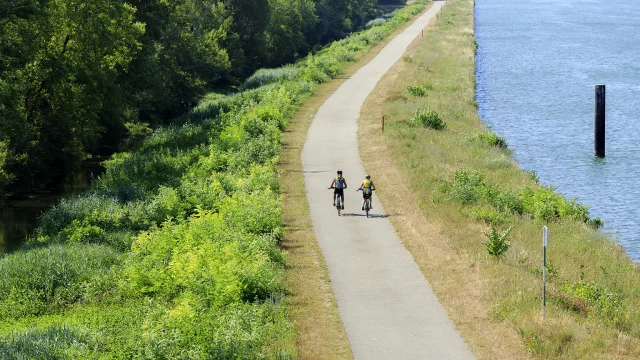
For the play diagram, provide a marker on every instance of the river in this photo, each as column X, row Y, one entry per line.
column 19, row 215
column 537, row 65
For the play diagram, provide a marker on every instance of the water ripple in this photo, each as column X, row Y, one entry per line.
column 536, row 70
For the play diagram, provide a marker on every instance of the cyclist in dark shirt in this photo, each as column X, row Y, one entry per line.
column 338, row 184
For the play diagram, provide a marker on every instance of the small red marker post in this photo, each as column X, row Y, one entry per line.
column 383, row 123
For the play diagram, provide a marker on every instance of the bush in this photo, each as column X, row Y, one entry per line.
column 417, row 90
column 490, row 139
column 104, row 212
column 507, row 202
column 375, row 22
column 602, row 303
column 545, row 204
column 497, row 244
column 465, row 186
column 428, row 118
column 239, row 331
column 491, row 217
column 55, row 342
column 218, row 263
column 541, row 202
column 268, row 76
column 44, row 280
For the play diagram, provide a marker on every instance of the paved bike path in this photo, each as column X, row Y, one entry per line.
column 388, row 308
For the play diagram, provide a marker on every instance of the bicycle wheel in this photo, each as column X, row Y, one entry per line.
column 367, row 206
column 338, row 204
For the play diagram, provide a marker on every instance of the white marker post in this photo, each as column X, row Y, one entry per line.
column 544, row 272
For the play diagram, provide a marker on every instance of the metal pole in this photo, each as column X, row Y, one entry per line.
column 544, row 271
column 599, row 127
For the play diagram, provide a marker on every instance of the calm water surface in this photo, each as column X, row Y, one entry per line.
column 19, row 215
column 537, row 64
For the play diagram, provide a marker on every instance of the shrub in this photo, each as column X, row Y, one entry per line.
column 491, row 217
column 268, row 76
column 465, row 186
column 545, row 204
column 144, row 172
column 218, row 263
column 101, row 211
column 545, row 341
column 417, row 90
column 55, row 342
column 375, row 22
column 601, row 302
column 239, row 331
column 83, row 232
column 257, row 212
column 507, row 201
column 46, row 279
column 540, row 202
column 166, row 204
column 497, row 244
column 490, row 139
column 428, row 118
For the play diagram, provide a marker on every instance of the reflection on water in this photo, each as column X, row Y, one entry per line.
column 19, row 215
column 537, row 64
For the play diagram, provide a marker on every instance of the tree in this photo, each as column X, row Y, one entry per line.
column 250, row 20
column 339, row 17
column 183, row 54
column 60, row 60
column 289, row 21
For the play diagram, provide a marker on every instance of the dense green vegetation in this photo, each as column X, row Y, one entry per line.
column 78, row 77
column 174, row 251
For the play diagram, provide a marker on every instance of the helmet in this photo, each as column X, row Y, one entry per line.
column 368, row 176
column 339, row 171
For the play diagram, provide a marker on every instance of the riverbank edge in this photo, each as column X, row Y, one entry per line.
column 494, row 303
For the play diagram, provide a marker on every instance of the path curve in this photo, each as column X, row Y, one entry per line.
column 388, row 308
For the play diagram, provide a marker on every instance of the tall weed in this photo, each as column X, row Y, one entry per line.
column 42, row 280
column 497, row 244
column 268, row 76
column 428, row 118
column 490, row 139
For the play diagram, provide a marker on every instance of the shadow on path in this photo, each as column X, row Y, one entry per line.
column 378, row 216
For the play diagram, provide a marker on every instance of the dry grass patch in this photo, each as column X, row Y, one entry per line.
column 320, row 332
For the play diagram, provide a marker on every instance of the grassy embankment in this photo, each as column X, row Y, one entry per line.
column 175, row 251
column 445, row 188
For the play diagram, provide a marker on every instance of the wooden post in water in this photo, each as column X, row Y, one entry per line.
column 599, row 123
column 544, row 271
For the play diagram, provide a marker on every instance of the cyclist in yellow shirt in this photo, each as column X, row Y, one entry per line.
column 367, row 188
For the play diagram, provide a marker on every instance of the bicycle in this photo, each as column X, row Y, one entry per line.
column 367, row 202
column 338, row 202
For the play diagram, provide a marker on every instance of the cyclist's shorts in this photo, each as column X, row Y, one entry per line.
column 339, row 191
column 366, row 196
